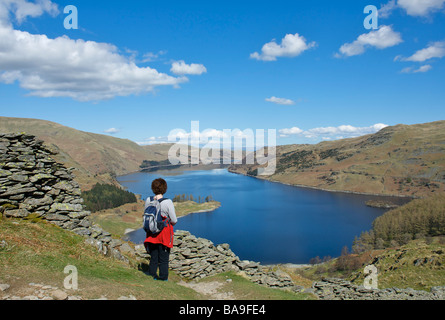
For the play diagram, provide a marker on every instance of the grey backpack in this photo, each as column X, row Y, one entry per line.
column 153, row 222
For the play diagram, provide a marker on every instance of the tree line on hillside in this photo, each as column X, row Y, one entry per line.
column 106, row 196
column 184, row 197
column 418, row 219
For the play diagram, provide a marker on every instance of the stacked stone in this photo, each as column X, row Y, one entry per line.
column 32, row 183
column 339, row 289
column 195, row 258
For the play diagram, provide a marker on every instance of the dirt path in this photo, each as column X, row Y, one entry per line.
column 210, row 290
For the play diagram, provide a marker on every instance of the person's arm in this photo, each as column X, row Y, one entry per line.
column 171, row 212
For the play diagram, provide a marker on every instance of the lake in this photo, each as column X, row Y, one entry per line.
column 261, row 220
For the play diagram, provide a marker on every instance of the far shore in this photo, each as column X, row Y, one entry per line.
column 129, row 230
column 118, row 221
column 199, row 211
column 328, row 190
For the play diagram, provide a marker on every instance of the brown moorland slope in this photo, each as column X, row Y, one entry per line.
column 404, row 160
column 95, row 157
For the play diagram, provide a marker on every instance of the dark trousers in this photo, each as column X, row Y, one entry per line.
column 160, row 256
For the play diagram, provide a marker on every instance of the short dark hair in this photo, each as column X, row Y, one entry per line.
column 159, row 186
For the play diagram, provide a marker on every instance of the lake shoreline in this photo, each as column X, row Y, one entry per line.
column 121, row 223
column 200, row 211
column 328, row 190
column 129, row 230
column 288, row 184
column 212, row 226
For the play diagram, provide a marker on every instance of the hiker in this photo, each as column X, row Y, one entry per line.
column 159, row 245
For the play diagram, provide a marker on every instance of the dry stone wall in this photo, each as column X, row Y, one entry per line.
column 339, row 289
column 33, row 184
column 194, row 258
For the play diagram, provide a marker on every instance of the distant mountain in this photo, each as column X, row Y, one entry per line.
column 96, row 157
column 398, row 160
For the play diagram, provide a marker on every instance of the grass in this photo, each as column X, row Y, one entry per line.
column 419, row 265
column 38, row 252
column 187, row 207
column 117, row 220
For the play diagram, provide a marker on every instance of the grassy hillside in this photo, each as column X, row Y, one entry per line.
column 38, row 253
column 406, row 244
column 398, row 160
column 419, row 219
column 419, row 264
column 96, row 157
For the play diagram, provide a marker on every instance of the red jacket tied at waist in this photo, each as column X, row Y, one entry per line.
column 165, row 237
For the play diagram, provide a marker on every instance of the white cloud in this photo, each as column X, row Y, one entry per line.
column 329, row 133
column 22, row 9
column 291, row 45
column 424, row 68
column 204, row 137
column 153, row 140
column 420, row 7
column 63, row 67
column 289, row 132
column 421, row 69
column 181, row 68
column 435, row 50
column 386, row 9
column 82, row 70
column 112, row 131
column 150, row 56
column 282, row 101
column 383, row 38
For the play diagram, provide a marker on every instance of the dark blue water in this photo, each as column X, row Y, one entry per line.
column 261, row 220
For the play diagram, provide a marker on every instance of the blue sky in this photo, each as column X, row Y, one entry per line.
column 139, row 69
